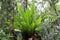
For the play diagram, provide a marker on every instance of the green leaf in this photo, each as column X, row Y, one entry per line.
column 21, row 10
column 33, row 7
column 38, row 21
column 8, row 22
column 32, row 26
column 23, row 23
column 28, row 17
column 28, row 23
column 32, row 11
column 38, row 28
column 58, row 7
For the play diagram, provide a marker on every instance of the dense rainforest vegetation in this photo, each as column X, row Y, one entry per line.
column 29, row 19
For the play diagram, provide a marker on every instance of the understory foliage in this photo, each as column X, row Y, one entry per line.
column 46, row 23
column 29, row 22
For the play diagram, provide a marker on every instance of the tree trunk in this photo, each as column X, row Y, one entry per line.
column 12, row 20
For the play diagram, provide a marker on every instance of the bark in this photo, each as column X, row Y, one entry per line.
column 12, row 20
